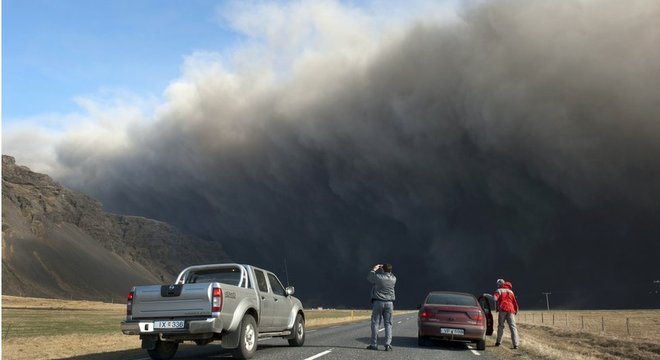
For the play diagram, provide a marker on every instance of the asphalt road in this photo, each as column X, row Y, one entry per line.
column 345, row 342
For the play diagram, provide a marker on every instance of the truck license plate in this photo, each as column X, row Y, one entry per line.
column 177, row 324
column 452, row 331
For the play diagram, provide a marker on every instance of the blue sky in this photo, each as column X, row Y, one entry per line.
column 55, row 50
column 91, row 71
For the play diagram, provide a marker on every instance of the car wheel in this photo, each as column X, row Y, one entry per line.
column 298, row 332
column 247, row 344
column 481, row 344
column 164, row 350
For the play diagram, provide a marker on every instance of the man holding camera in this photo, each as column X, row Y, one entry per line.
column 382, row 299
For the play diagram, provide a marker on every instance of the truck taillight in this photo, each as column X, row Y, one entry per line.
column 129, row 304
column 217, row 300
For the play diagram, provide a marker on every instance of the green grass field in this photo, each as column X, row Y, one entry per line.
column 48, row 322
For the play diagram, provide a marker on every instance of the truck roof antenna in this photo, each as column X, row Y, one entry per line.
column 286, row 272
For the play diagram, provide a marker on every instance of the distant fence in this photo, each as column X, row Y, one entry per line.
column 633, row 323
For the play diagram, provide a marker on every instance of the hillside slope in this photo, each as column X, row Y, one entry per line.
column 59, row 243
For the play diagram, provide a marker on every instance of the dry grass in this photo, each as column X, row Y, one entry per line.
column 17, row 302
column 567, row 338
column 45, row 317
column 35, row 328
column 639, row 324
column 321, row 318
column 65, row 346
column 54, row 329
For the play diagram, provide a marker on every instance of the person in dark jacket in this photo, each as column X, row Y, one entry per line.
column 382, row 300
column 507, row 306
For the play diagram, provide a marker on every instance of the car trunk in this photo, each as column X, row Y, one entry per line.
column 452, row 314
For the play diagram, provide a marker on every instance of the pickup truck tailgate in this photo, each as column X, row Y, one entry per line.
column 170, row 301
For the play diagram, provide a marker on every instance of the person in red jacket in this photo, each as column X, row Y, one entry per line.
column 507, row 306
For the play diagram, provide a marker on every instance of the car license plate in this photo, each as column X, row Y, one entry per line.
column 452, row 331
column 177, row 324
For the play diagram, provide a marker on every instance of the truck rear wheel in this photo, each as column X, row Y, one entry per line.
column 298, row 332
column 164, row 350
column 247, row 344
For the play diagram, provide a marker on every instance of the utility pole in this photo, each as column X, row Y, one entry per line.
column 547, row 301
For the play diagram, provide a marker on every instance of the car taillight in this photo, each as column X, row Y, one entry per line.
column 476, row 315
column 129, row 304
column 424, row 315
column 217, row 300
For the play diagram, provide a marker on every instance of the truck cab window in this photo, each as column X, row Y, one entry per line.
column 230, row 276
column 275, row 285
column 261, row 280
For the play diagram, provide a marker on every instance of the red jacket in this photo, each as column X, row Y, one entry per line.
column 506, row 300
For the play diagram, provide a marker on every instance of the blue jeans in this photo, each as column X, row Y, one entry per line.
column 382, row 309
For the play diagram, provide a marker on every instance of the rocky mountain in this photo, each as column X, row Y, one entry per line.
column 58, row 243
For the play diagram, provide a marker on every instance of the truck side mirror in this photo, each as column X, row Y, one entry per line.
column 290, row 290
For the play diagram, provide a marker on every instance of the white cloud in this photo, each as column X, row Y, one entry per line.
column 287, row 45
column 102, row 127
column 281, row 36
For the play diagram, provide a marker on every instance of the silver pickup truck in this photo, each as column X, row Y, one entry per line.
column 235, row 304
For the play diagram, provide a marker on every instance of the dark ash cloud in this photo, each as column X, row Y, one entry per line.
column 520, row 142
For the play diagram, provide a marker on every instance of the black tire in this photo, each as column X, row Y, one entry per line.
column 298, row 332
column 164, row 350
column 422, row 340
column 481, row 344
column 247, row 344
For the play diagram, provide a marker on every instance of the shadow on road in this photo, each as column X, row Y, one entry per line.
column 126, row 354
column 446, row 345
column 397, row 341
column 186, row 351
column 411, row 342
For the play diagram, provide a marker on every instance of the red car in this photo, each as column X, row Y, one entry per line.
column 454, row 316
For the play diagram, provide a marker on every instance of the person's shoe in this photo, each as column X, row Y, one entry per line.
column 388, row 348
column 497, row 344
column 371, row 347
column 515, row 346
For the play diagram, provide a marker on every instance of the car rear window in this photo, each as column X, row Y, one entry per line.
column 451, row 299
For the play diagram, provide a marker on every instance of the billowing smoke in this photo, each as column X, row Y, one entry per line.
column 515, row 139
